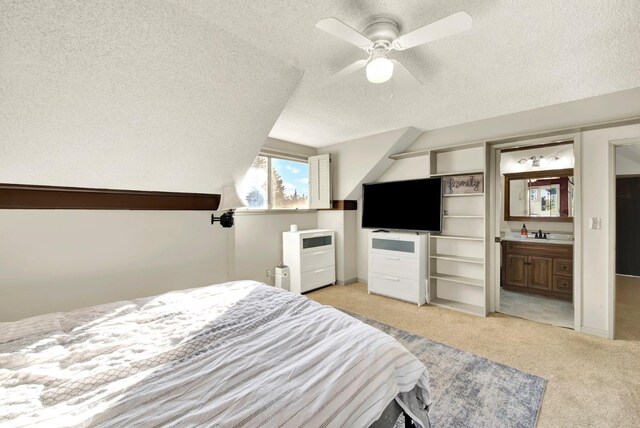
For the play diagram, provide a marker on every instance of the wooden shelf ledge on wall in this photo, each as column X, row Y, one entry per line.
column 344, row 205
column 24, row 196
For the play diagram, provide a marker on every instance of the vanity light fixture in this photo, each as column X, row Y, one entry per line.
column 538, row 162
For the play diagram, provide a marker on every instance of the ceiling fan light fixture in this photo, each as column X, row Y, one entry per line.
column 379, row 70
column 381, row 36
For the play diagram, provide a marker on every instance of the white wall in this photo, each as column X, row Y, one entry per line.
column 407, row 169
column 289, row 147
column 364, row 159
column 344, row 224
column 258, row 240
column 58, row 260
column 595, row 243
column 628, row 160
column 362, row 247
column 350, row 225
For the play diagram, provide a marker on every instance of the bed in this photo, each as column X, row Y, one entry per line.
column 234, row 354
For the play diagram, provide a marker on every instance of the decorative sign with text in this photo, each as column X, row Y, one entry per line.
column 461, row 184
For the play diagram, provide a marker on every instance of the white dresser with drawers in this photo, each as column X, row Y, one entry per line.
column 397, row 266
column 311, row 257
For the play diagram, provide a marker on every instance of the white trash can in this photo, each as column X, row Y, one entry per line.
column 282, row 277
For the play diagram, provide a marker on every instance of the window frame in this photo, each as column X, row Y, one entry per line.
column 270, row 155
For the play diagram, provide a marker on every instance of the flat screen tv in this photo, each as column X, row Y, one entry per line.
column 411, row 205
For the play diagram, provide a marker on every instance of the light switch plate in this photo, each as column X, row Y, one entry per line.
column 594, row 223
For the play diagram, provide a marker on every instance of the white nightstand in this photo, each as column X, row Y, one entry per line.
column 311, row 257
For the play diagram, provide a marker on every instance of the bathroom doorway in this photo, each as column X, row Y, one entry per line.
column 535, row 206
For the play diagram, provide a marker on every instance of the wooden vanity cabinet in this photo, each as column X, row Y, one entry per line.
column 538, row 268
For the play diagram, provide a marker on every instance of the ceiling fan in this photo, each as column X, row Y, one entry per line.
column 381, row 36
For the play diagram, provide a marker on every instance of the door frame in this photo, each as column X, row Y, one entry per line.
column 495, row 218
column 613, row 145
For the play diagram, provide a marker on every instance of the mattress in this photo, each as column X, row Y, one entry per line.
column 230, row 355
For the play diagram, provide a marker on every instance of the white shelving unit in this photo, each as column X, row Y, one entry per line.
column 457, row 262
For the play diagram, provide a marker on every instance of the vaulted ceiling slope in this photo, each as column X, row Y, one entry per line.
column 363, row 160
column 519, row 55
column 131, row 94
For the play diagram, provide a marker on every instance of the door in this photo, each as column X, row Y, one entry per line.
column 516, row 272
column 627, row 225
column 540, row 272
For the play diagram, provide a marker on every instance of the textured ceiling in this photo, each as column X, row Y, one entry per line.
column 519, row 55
column 131, row 95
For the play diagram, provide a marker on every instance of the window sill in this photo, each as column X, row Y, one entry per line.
column 279, row 211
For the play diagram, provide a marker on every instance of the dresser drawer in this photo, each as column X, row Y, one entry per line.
column 312, row 242
column 393, row 286
column 317, row 278
column 317, row 259
column 562, row 284
column 393, row 247
column 394, row 265
column 563, row 267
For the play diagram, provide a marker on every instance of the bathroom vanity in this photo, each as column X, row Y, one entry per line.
column 538, row 266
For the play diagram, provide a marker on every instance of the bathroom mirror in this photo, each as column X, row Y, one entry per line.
column 539, row 195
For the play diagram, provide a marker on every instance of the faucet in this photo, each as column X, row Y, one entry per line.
column 540, row 235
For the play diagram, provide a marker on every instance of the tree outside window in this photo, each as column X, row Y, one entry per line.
column 276, row 183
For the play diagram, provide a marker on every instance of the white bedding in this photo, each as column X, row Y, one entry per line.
column 234, row 354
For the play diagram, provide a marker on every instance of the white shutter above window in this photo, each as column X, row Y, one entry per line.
column 319, row 181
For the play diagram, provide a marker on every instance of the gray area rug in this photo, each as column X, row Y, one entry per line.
column 471, row 391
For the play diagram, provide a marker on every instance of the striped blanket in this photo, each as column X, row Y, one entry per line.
column 228, row 355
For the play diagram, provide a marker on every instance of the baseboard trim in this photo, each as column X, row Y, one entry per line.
column 347, row 282
column 595, row 331
column 362, row 281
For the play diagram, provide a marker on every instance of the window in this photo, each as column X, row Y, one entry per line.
column 276, row 183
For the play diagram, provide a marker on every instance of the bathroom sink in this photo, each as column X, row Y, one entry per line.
column 552, row 238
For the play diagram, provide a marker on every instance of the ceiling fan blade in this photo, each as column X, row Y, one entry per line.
column 343, row 31
column 349, row 69
column 404, row 77
column 452, row 24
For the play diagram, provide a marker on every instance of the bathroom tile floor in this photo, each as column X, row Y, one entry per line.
column 537, row 308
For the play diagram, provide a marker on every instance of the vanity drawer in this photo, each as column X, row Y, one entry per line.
column 562, row 284
column 563, row 267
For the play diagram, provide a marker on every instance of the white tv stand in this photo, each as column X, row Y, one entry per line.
column 398, row 265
